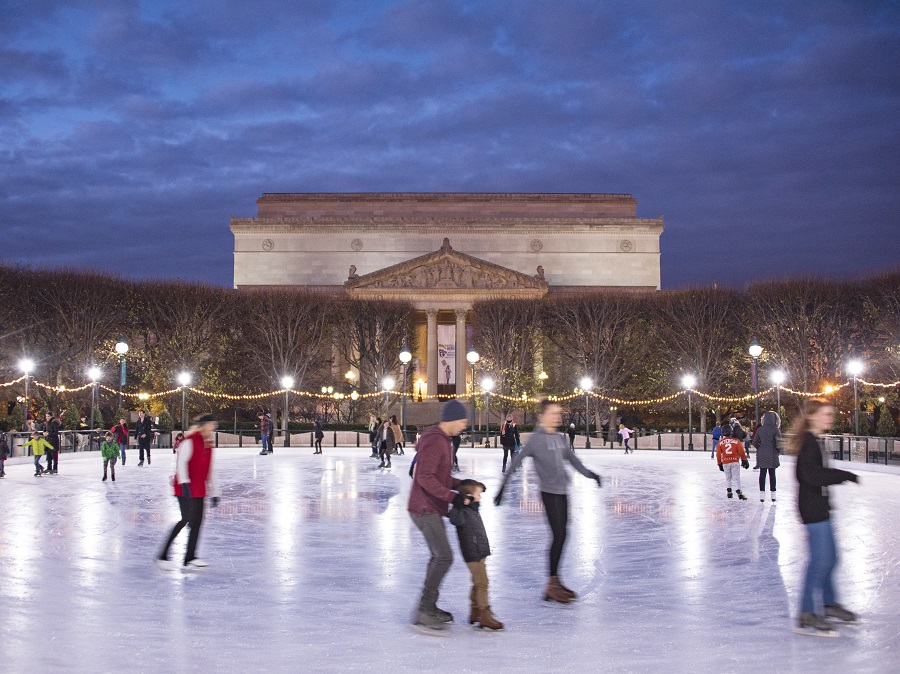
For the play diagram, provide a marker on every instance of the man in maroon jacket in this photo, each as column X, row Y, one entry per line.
column 430, row 496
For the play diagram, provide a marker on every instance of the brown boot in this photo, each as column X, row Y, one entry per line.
column 554, row 592
column 473, row 615
column 565, row 590
column 487, row 620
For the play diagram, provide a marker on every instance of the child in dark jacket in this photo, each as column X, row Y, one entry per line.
column 4, row 453
column 473, row 542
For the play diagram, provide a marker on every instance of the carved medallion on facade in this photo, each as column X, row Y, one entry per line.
column 626, row 245
column 268, row 245
column 537, row 245
column 356, row 245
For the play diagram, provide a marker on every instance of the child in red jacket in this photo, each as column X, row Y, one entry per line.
column 729, row 451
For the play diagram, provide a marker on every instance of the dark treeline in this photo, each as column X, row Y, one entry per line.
column 633, row 345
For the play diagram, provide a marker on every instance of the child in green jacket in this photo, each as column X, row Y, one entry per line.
column 38, row 446
column 109, row 450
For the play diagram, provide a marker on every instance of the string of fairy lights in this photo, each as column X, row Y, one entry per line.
column 523, row 398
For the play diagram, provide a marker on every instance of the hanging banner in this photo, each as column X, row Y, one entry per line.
column 446, row 354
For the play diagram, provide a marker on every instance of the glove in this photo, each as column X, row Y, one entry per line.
column 186, row 490
column 598, row 479
column 745, row 464
column 461, row 500
column 498, row 498
column 721, row 467
column 215, row 501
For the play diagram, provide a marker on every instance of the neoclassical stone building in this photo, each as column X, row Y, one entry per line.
column 445, row 251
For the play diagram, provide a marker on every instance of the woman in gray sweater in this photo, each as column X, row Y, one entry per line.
column 549, row 450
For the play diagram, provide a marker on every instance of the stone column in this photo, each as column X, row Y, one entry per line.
column 431, row 357
column 462, row 364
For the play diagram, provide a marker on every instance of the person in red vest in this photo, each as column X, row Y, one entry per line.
column 194, row 481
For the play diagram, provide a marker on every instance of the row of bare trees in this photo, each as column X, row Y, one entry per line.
column 633, row 345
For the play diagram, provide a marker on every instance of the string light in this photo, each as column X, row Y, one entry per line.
column 522, row 398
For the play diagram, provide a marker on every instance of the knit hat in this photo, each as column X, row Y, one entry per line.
column 453, row 410
column 727, row 430
column 509, row 417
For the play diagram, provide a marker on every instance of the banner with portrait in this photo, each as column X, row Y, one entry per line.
column 446, row 354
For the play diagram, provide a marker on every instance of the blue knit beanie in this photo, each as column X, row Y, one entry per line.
column 453, row 410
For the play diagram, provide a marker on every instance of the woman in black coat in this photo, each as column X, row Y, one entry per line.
column 767, row 441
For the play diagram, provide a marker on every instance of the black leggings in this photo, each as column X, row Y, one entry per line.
column 192, row 516
column 557, row 508
column 762, row 479
column 508, row 452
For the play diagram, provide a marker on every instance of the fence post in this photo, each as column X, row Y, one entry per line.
column 682, row 442
column 357, row 438
column 335, row 438
column 659, row 441
column 704, row 442
column 241, row 439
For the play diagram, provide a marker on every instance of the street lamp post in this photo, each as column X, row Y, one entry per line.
column 689, row 381
column 755, row 351
column 472, row 357
column 586, row 385
column 777, row 378
column 121, row 349
column 855, row 368
column 405, row 357
column 94, row 373
column 387, row 384
column 287, row 383
column 26, row 365
column 487, row 385
column 184, row 380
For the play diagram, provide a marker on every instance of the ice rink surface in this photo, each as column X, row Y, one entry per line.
column 315, row 567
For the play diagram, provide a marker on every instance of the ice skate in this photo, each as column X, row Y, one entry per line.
column 741, row 495
column 166, row 564
column 813, row 625
column 554, row 594
column 388, row 464
column 427, row 621
column 104, row 479
column 487, row 620
column 772, row 496
column 762, row 497
column 566, row 591
column 381, row 465
column 730, row 495
column 263, row 453
column 838, row 615
column 195, row 564
column 113, row 477
column 140, row 463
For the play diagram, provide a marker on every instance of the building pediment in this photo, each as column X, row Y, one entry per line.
column 446, row 271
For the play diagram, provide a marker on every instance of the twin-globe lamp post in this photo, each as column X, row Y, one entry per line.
column 287, row 383
column 854, row 369
column 405, row 358
column 487, row 385
column 121, row 350
column 27, row 367
column 689, row 381
column 184, row 380
column 755, row 351
column 586, row 385
column 94, row 373
column 472, row 356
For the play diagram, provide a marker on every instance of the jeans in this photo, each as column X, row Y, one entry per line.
column 122, row 447
column 822, row 560
column 52, row 459
column 557, row 508
column 111, row 463
column 144, row 445
column 432, row 527
column 37, row 463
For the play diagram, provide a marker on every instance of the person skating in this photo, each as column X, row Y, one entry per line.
column 4, row 454
column 572, row 434
column 814, row 476
column 398, row 436
column 194, row 481
column 626, row 432
column 143, row 431
column 386, row 448
column 38, row 445
column 716, row 437
column 120, row 433
column 509, row 439
column 265, row 430
column 52, row 426
column 319, row 436
column 109, row 450
column 475, row 548
column 549, row 451
column 766, row 442
column 433, row 490
column 731, row 455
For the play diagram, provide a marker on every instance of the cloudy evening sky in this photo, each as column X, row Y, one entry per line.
column 766, row 133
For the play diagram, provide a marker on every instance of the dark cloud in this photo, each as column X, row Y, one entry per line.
column 135, row 129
